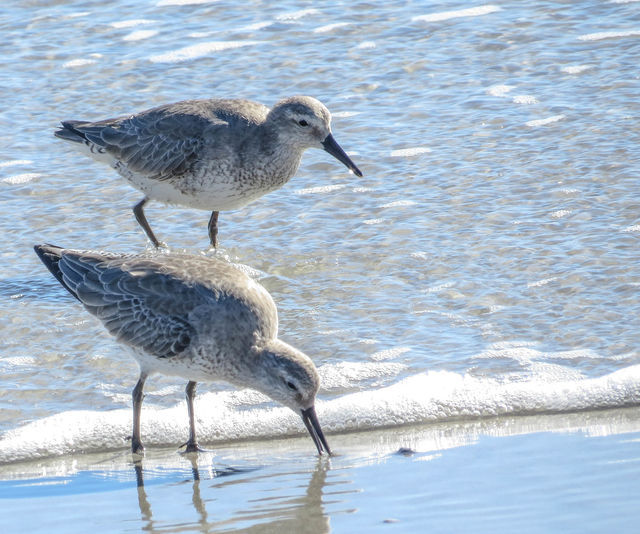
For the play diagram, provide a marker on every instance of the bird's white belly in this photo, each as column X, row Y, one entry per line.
column 219, row 196
column 218, row 187
column 210, row 192
column 182, row 366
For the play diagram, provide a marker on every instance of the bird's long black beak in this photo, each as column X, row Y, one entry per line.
column 310, row 420
column 331, row 146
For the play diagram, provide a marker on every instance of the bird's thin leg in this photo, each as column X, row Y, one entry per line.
column 192, row 443
column 213, row 229
column 136, row 442
column 138, row 211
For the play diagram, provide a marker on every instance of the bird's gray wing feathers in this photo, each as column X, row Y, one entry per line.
column 142, row 308
column 161, row 143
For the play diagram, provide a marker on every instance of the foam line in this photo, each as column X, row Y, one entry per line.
column 236, row 416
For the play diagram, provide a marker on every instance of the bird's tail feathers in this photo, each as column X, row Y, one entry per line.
column 68, row 132
column 50, row 256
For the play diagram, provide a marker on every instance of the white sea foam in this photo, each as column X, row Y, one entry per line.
column 196, row 51
column 544, row 282
column 80, row 62
column 76, row 15
column 439, row 396
column 446, row 15
column 439, row 287
column 560, row 213
column 319, row 189
column 575, row 69
column 525, row 99
column 409, row 152
column 295, row 15
column 387, row 354
column 543, row 122
column 399, row 204
column 599, row 36
column 344, row 114
column 528, row 356
column 331, row 27
column 131, row 23
column 256, row 26
column 15, row 162
column 140, row 34
column 499, row 90
column 17, row 361
column 350, row 374
column 21, row 178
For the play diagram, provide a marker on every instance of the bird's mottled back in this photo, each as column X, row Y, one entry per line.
column 163, row 303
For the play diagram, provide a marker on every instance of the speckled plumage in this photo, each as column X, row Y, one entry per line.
column 191, row 316
column 208, row 154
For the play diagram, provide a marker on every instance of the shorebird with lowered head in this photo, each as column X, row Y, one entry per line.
column 213, row 154
column 194, row 317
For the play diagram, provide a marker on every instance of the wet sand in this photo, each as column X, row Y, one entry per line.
column 559, row 473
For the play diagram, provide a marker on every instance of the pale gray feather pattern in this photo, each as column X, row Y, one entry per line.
column 144, row 309
column 78, row 278
column 161, row 143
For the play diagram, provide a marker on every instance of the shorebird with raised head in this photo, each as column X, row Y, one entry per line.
column 214, row 155
column 194, row 317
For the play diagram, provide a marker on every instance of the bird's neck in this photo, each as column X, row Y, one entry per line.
column 283, row 157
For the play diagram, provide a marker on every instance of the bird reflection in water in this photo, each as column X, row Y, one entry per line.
column 304, row 513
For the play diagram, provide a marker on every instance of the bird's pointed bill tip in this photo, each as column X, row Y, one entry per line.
column 310, row 420
column 331, row 146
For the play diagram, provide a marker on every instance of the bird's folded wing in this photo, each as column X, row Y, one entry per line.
column 158, row 144
column 142, row 308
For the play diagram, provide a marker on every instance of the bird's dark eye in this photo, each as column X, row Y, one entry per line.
column 303, row 122
column 292, row 386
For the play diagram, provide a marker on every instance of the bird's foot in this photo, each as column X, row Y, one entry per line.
column 137, row 449
column 136, row 446
column 192, row 446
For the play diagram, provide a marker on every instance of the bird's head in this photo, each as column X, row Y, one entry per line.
column 305, row 122
column 288, row 376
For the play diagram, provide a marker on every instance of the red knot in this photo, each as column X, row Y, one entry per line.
column 194, row 317
column 210, row 154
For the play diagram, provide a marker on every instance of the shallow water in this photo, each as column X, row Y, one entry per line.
column 486, row 264
column 563, row 473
